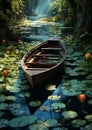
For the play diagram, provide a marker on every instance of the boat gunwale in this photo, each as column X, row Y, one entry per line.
column 38, row 46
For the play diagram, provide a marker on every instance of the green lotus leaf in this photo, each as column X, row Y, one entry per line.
column 58, row 105
column 89, row 92
column 71, row 92
column 51, row 122
column 3, row 106
column 13, row 89
column 22, row 95
column 38, row 126
column 54, row 97
column 2, row 98
column 90, row 101
column 35, row 103
column 87, row 127
column 14, row 106
column 69, row 114
column 13, row 98
column 1, row 79
column 4, row 123
column 78, row 123
column 88, row 118
column 27, row 94
column 18, row 112
column 22, row 121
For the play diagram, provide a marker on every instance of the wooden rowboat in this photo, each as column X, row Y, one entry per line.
column 44, row 61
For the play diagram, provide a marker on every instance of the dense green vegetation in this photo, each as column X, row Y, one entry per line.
column 75, row 13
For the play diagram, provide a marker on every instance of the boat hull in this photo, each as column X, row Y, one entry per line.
column 43, row 75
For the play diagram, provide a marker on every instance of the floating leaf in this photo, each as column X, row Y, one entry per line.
column 58, row 105
column 22, row 121
column 71, row 92
column 35, row 103
column 13, row 98
column 27, row 94
column 90, row 101
column 14, row 106
column 78, row 123
column 88, row 118
column 38, row 126
column 4, row 123
column 69, row 114
column 2, row 98
column 3, row 106
column 51, row 122
column 22, row 95
column 87, row 127
column 54, row 97
column 51, row 87
column 18, row 112
column 89, row 92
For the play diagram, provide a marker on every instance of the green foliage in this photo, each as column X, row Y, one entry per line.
column 57, row 5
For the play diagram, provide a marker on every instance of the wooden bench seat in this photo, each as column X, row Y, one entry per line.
column 46, row 55
column 52, row 49
column 39, row 65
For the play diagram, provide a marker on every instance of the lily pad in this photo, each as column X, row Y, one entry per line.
column 4, row 123
column 89, row 92
column 35, row 103
column 71, row 92
column 88, row 118
column 51, row 122
column 22, row 121
column 14, row 106
column 90, row 101
column 38, row 126
column 54, row 97
column 51, row 87
column 59, row 105
column 3, row 106
column 78, row 123
column 13, row 89
column 18, row 112
column 87, row 127
column 2, row 98
column 69, row 114
column 12, row 98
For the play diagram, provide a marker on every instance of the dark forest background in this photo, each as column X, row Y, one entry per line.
column 74, row 13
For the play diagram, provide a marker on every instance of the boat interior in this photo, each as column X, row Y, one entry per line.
column 45, row 57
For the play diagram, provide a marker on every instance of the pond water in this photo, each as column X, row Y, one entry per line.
column 56, row 106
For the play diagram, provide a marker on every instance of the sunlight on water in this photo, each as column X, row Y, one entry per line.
column 42, row 8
